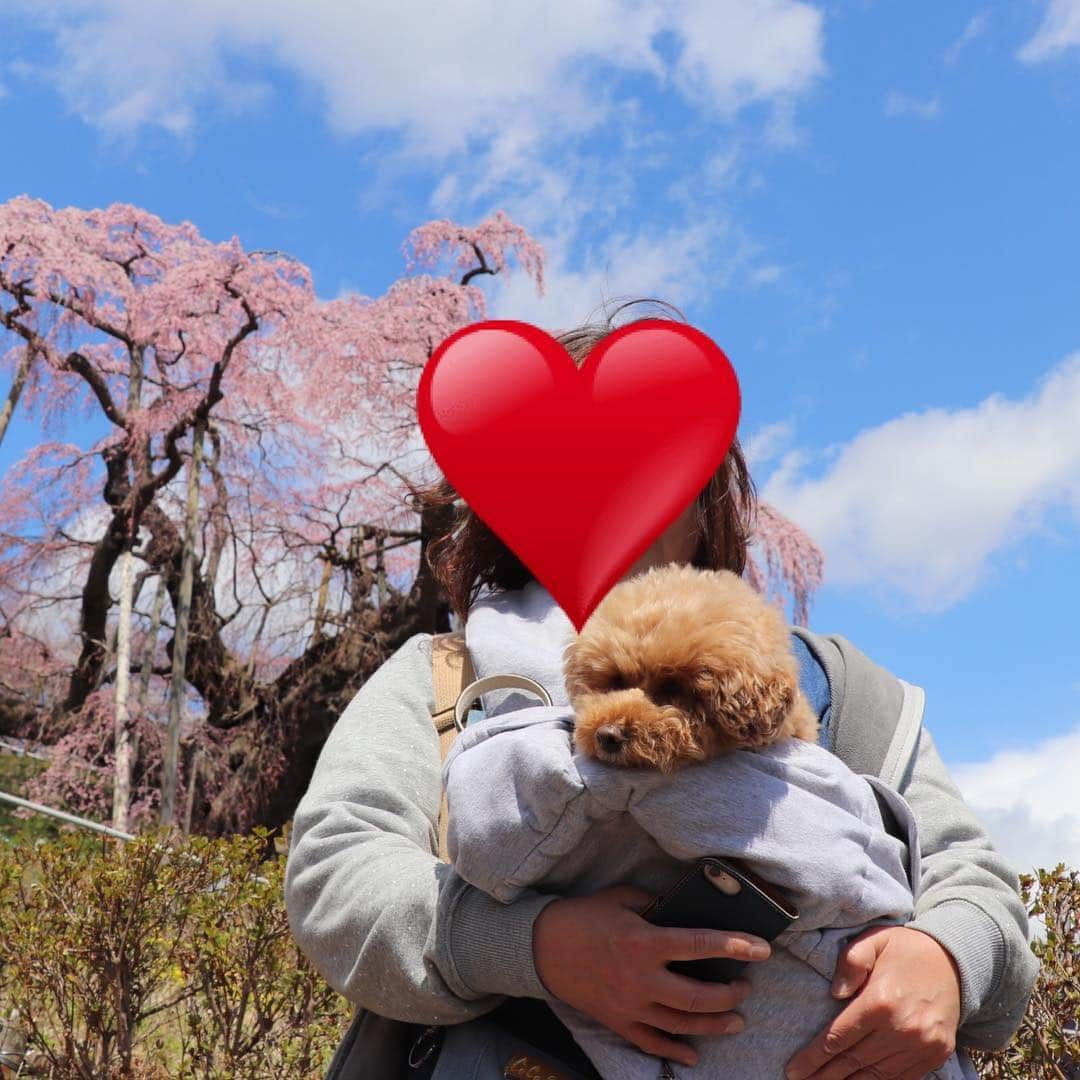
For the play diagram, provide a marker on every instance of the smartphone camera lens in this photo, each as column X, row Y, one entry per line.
column 723, row 881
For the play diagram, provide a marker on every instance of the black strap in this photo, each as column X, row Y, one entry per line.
column 533, row 1021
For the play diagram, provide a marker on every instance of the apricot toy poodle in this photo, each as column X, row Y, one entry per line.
column 678, row 665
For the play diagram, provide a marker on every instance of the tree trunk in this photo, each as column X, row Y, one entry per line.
column 125, row 750
column 218, row 529
column 180, row 637
column 361, row 578
column 380, row 571
column 193, row 780
column 151, row 641
column 123, row 735
column 320, row 607
column 148, row 662
column 96, row 598
column 108, row 654
column 21, row 375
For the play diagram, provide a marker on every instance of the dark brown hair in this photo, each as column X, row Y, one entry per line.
column 469, row 555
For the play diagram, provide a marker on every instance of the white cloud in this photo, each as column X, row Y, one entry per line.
column 897, row 104
column 679, row 264
column 922, row 503
column 1028, row 802
column 441, row 75
column 766, row 275
column 517, row 106
column 735, row 52
column 1059, row 31
column 765, row 443
column 974, row 28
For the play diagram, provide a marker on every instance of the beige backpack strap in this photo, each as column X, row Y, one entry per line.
column 451, row 671
column 456, row 688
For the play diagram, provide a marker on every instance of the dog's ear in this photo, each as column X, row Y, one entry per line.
column 583, row 666
column 747, row 706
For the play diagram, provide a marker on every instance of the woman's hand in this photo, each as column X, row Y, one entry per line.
column 599, row 955
column 902, row 1025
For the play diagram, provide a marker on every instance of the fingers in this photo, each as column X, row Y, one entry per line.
column 859, row 1060
column 674, row 1022
column 855, row 964
column 675, row 944
column 687, row 995
column 597, row 954
column 852, row 1065
column 902, row 1066
column 844, row 1033
column 685, row 1006
column 877, row 1056
column 661, row 1045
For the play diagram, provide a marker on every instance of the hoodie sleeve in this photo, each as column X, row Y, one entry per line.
column 969, row 902
column 383, row 920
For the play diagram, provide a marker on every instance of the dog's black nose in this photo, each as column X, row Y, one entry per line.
column 610, row 737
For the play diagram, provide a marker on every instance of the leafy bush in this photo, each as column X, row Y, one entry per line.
column 160, row 957
column 1047, row 1044
column 172, row 958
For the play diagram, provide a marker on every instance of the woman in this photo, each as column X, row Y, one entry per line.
column 399, row 933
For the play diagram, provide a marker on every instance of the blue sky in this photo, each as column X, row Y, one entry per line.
column 871, row 207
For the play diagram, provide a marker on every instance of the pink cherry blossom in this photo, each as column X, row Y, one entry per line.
column 124, row 333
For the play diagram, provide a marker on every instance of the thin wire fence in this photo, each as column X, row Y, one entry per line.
column 63, row 815
column 20, row 749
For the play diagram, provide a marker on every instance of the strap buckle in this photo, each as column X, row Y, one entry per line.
column 494, row 682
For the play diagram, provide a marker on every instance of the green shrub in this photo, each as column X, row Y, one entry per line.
column 160, row 957
column 172, row 958
column 1047, row 1044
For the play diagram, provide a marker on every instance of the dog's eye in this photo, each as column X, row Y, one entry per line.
column 617, row 681
column 668, row 688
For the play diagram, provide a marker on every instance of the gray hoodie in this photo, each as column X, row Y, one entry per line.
column 400, row 933
column 526, row 811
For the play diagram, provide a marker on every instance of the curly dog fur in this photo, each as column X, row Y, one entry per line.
column 678, row 665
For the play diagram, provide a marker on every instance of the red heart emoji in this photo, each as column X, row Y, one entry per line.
column 578, row 472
